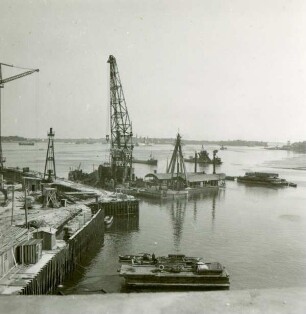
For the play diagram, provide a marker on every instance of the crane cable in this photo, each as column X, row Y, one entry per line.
column 19, row 67
column 36, row 103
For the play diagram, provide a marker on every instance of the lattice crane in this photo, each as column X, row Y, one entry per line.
column 177, row 164
column 2, row 82
column 121, row 151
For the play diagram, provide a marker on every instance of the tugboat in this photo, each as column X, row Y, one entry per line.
column 175, row 270
column 203, row 158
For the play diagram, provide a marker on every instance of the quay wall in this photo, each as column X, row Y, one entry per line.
column 68, row 258
column 124, row 208
column 16, row 174
column 62, row 265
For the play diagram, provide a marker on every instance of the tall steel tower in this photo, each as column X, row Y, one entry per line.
column 121, row 151
column 50, row 172
column 177, row 165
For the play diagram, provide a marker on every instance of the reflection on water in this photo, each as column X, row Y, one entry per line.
column 177, row 211
column 177, row 214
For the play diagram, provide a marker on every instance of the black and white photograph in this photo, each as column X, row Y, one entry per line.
column 152, row 156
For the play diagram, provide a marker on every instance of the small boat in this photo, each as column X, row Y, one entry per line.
column 294, row 185
column 230, row 178
column 27, row 143
column 108, row 220
column 174, row 271
column 223, row 147
column 142, row 258
column 151, row 161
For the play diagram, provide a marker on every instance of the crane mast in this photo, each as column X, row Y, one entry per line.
column 177, row 164
column 121, row 150
column 2, row 82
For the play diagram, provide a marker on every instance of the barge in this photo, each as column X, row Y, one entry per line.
column 264, row 178
column 175, row 271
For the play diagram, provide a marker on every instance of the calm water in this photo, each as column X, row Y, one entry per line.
column 258, row 233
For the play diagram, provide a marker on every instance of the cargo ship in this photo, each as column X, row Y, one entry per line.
column 174, row 271
column 151, row 161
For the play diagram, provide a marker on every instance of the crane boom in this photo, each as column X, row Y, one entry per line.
column 2, row 82
column 15, row 77
column 121, row 128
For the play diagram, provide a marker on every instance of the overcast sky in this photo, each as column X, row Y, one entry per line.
column 215, row 70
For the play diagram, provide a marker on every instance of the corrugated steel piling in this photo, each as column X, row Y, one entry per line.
column 58, row 264
column 65, row 261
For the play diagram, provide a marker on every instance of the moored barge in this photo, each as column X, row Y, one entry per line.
column 175, row 271
column 264, row 178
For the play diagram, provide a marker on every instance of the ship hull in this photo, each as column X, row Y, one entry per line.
column 183, row 279
column 170, row 194
column 146, row 162
column 265, row 183
column 202, row 162
column 175, row 270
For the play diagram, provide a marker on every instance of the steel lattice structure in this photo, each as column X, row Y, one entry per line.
column 121, row 151
column 50, row 172
column 177, row 164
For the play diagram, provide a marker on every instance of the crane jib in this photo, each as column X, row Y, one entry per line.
column 15, row 77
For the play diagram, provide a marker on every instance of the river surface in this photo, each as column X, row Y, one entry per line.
column 257, row 233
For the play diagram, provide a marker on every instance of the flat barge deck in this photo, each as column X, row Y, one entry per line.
column 175, row 271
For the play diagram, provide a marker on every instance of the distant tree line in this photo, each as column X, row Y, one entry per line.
column 296, row 147
column 299, row 147
column 13, row 138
